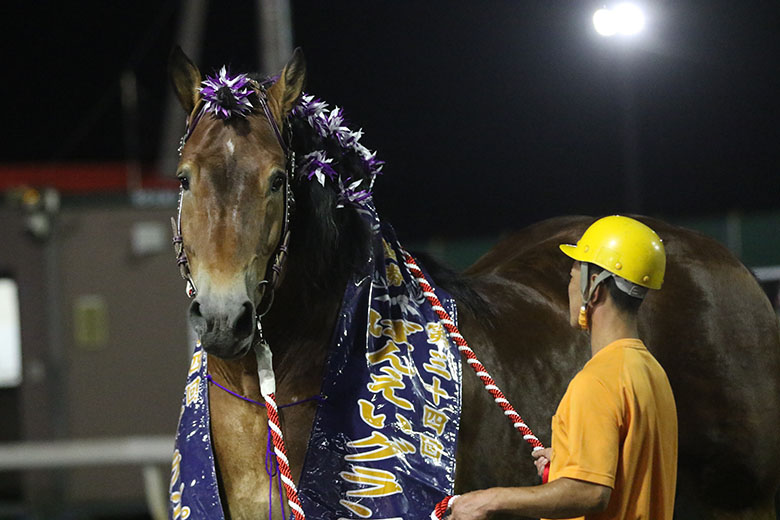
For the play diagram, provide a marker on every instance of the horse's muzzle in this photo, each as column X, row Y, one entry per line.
column 227, row 333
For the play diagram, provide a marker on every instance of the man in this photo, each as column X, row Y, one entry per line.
column 614, row 435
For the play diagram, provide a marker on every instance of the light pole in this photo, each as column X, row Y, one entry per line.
column 625, row 21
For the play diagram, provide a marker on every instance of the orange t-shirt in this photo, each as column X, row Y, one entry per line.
column 617, row 426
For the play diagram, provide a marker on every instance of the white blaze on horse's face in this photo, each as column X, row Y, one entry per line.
column 231, row 223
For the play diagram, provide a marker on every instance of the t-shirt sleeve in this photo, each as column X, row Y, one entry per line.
column 592, row 433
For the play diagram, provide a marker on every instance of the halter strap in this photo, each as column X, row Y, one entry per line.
column 181, row 254
column 273, row 275
column 262, row 96
column 191, row 123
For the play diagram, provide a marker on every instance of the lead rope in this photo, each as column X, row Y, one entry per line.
column 479, row 368
column 267, row 380
column 281, row 457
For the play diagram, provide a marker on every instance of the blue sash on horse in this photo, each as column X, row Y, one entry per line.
column 383, row 441
column 194, row 492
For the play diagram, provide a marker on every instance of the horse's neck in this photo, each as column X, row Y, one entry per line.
column 299, row 328
column 238, row 430
column 239, row 376
column 298, row 338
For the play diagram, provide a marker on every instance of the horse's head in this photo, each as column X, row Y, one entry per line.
column 233, row 174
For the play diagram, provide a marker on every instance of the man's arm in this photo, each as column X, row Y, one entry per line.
column 561, row 498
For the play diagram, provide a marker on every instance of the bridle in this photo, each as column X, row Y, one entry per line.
column 263, row 355
column 278, row 262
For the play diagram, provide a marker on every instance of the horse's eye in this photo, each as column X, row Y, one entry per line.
column 185, row 182
column 278, row 183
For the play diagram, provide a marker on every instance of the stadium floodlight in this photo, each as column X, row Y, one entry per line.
column 604, row 22
column 624, row 18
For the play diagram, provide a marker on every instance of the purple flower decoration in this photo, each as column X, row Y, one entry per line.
column 330, row 123
column 317, row 164
column 227, row 96
column 350, row 193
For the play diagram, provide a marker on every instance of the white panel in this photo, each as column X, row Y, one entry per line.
column 10, row 335
column 149, row 238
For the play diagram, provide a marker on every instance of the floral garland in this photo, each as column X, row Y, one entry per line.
column 317, row 165
column 226, row 95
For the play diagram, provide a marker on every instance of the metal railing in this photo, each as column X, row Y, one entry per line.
column 148, row 452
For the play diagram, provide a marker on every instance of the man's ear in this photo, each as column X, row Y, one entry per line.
column 601, row 292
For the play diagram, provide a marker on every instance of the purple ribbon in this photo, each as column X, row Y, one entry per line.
column 273, row 470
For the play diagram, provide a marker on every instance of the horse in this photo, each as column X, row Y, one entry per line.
column 711, row 327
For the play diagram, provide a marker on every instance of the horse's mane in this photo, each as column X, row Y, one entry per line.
column 328, row 234
column 333, row 237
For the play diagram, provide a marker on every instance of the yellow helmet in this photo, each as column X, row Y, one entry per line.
column 625, row 247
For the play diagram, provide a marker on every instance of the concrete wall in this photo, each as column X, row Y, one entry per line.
column 104, row 339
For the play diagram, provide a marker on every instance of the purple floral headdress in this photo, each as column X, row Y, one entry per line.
column 317, row 165
column 226, row 95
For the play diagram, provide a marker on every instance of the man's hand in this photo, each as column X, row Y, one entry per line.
column 561, row 498
column 543, row 458
column 472, row 506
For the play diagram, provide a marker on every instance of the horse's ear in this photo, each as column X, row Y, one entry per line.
column 185, row 78
column 288, row 89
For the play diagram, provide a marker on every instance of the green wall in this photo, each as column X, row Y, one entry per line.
column 753, row 237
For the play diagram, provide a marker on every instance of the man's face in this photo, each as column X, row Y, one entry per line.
column 575, row 295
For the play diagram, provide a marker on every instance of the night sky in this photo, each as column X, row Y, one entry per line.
column 490, row 115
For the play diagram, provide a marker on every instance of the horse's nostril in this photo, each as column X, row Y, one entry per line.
column 245, row 321
column 195, row 310
column 197, row 321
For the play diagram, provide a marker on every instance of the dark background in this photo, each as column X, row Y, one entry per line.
column 490, row 115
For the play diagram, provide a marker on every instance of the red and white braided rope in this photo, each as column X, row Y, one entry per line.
column 275, row 428
column 471, row 359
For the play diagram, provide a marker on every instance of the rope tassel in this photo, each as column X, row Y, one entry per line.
column 474, row 363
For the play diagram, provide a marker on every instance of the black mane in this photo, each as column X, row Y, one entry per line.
column 334, row 240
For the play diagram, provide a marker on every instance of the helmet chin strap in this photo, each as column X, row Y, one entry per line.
column 587, row 291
